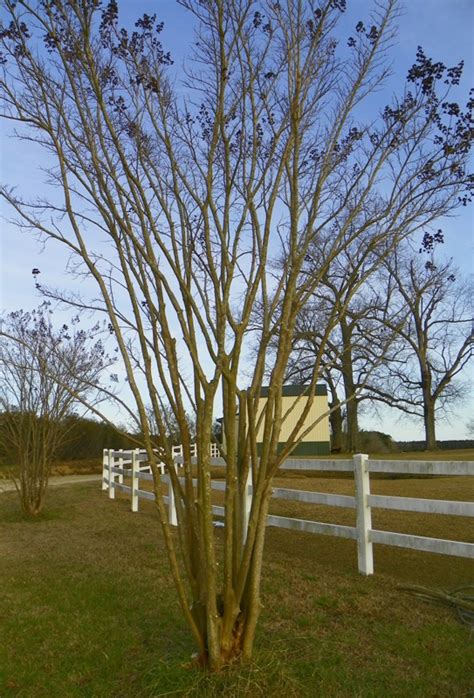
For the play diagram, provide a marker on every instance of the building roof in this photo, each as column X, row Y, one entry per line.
column 295, row 390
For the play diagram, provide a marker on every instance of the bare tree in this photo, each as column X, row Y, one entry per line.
column 354, row 351
column 44, row 373
column 344, row 319
column 168, row 417
column 309, row 330
column 195, row 189
column 435, row 343
column 359, row 342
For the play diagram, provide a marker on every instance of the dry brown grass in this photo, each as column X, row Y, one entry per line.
column 94, row 465
column 408, row 565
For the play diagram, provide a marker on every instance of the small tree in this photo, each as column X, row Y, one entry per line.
column 44, row 372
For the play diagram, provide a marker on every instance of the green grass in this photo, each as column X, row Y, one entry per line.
column 88, row 609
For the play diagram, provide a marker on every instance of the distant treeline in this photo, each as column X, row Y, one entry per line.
column 378, row 442
column 86, row 438
column 83, row 439
column 443, row 445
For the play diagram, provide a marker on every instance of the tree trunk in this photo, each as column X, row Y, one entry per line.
column 228, row 636
column 430, row 424
column 335, row 418
column 32, row 485
column 428, row 404
column 352, row 426
column 349, row 388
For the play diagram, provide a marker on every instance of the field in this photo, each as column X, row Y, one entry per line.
column 89, row 609
column 93, row 465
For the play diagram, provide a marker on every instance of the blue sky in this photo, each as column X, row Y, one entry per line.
column 444, row 28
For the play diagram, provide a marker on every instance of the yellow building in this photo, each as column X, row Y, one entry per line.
column 317, row 441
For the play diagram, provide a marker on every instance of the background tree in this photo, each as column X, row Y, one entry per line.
column 307, row 339
column 44, row 373
column 358, row 343
column 168, row 417
column 434, row 344
column 195, row 190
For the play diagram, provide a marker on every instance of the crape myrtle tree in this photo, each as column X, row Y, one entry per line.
column 434, row 345
column 45, row 374
column 175, row 190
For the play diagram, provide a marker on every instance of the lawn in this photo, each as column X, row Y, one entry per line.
column 88, row 609
column 94, row 465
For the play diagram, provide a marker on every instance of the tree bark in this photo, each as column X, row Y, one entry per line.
column 349, row 387
column 335, row 418
column 430, row 424
column 426, row 386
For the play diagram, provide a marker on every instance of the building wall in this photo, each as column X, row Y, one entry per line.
column 295, row 408
column 316, row 441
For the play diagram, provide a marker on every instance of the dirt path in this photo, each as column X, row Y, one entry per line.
column 8, row 486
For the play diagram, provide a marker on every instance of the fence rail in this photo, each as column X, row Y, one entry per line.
column 115, row 469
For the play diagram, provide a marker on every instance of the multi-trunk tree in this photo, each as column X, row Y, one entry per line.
column 175, row 191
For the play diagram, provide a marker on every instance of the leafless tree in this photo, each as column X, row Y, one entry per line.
column 44, row 374
column 358, row 343
column 168, row 417
column 176, row 190
column 433, row 347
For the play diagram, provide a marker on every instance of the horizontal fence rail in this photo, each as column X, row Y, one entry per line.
column 429, row 545
column 326, row 465
column 327, row 529
column 135, row 465
column 332, row 500
column 427, row 506
column 416, row 467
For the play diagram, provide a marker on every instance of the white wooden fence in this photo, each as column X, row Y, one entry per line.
column 120, row 464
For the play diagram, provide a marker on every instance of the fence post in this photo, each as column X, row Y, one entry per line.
column 172, row 517
column 365, row 553
column 105, row 469
column 111, row 475
column 247, row 505
column 135, row 478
